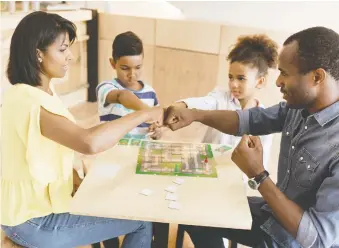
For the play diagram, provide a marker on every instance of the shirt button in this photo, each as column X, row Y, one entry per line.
column 305, row 127
column 308, row 166
column 301, row 158
column 293, row 147
column 287, row 133
column 288, row 171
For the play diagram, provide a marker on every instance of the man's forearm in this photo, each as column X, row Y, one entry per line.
column 287, row 212
column 223, row 120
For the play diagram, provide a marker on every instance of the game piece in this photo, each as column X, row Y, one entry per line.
column 146, row 192
column 171, row 188
column 174, row 205
column 171, row 197
column 179, row 181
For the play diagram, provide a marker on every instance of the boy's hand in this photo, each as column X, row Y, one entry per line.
column 155, row 132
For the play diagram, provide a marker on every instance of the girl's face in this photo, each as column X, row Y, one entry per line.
column 55, row 60
column 244, row 80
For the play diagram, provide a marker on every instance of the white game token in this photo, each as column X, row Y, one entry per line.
column 179, row 181
column 146, row 192
column 171, row 188
column 171, row 197
column 174, row 205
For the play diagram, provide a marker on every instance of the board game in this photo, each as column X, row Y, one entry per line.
column 177, row 159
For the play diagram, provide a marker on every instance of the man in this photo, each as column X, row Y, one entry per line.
column 302, row 210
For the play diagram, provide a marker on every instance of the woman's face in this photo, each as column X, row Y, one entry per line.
column 243, row 80
column 55, row 60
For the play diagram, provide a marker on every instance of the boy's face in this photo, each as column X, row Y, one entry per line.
column 243, row 80
column 128, row 69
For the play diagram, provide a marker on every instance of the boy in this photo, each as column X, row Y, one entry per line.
column 126, row 93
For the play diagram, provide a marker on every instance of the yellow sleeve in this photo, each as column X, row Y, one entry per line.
column 46, row 159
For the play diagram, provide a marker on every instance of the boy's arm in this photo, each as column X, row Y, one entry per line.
column 126, row 98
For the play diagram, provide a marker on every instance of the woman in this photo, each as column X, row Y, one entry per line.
column 39, row 140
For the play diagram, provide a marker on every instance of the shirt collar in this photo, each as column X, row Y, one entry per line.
column 328, row 114
column 235, row 101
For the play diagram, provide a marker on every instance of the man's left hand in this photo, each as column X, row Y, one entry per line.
column 248, row 156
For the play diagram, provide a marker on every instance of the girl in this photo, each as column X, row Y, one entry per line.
column 249, row 61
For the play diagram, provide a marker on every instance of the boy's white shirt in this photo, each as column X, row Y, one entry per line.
column 219, row 99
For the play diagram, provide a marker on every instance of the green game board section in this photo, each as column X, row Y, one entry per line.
column 172, row 165
column 133, row 140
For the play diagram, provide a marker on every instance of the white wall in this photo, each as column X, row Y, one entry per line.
column 291, row 16
column 151, row 8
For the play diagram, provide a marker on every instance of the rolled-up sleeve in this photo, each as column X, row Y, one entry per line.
column 319, row 226
column 260, row 121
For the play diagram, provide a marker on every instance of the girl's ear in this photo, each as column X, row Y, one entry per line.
column 261, row 82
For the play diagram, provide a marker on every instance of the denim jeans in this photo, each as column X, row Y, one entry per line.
column 67, row 230
column 203, row 237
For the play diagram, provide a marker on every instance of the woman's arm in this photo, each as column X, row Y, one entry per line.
column 96, row 139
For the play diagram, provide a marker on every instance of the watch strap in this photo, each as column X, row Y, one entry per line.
column 261, row 177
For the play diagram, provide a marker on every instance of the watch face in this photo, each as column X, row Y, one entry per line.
column 253, row 184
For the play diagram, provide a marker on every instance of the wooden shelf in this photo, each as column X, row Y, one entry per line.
column 10, row 21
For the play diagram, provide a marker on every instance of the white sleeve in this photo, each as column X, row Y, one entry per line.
column 209, row 102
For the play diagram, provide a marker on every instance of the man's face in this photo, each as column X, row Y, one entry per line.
column 299, row 89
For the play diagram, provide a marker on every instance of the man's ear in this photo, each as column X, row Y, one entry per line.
column 319, row 75
column 261, row 82
column 112, row 62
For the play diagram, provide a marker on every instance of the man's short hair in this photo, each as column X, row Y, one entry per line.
column 318, row 47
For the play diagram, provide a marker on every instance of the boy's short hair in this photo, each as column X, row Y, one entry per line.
column 126, row 44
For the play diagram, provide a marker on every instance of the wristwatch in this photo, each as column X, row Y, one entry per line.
column 255, row 182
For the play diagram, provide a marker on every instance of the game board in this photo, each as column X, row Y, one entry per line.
column 177, row 159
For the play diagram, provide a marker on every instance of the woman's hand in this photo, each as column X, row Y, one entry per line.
column 155, row 116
